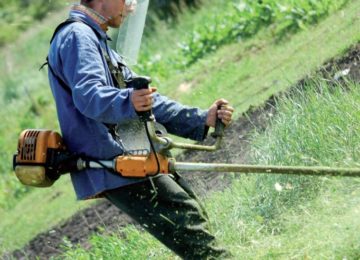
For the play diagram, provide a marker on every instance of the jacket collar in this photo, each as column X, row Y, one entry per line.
column 91, row 18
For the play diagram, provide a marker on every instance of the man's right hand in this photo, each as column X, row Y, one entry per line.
column 142, row 99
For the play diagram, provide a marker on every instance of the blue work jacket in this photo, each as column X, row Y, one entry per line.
column 89, row 101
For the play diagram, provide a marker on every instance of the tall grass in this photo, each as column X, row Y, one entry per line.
column 316, row 126
column 282, row 217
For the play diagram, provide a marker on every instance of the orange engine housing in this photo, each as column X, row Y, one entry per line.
column 34, row 143
column 31, row 163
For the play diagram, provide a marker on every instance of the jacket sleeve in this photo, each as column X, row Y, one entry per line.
column 85, row 72
column 180, row 120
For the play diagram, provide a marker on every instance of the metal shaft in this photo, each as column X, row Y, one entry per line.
column 269, row 169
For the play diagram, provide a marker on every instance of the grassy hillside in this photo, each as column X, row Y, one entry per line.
column 18, row 16
column 245, row 72
column 27, row 97
column 279, row 217
column 300, row 217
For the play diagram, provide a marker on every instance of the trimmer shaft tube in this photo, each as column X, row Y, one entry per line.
column 269, row 169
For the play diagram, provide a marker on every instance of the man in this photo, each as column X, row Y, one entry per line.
column 91, row 99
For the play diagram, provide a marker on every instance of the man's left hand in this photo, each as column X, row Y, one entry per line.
column 219, row 109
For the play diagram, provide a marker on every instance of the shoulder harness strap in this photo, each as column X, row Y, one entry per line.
column 114, row 71
column 58, row 28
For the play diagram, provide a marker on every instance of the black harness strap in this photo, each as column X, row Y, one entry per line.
column 58, row 28
column 115, row 72
column 62, row 83
column 69, row 21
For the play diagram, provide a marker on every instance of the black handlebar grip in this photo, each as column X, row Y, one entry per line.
column 137, row 83
column 219, row 127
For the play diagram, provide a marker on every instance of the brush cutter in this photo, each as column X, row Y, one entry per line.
column 42, row 156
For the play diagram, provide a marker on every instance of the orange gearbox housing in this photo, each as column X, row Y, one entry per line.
column 141, row 166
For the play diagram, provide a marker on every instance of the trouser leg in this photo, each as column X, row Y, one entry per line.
column 168, row 209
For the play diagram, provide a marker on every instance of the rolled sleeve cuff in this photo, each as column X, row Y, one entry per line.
column 132, row 111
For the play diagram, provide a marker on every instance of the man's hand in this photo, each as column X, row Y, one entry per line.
column 142, row 99
column 224, row 113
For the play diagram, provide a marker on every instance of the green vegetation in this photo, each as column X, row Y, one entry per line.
column 318, row 126
column 245, row 73
column 17, row 16
column 27, row 97
column 129, row 243
column 31, row 216
column 241, row 20
column 312, row 128
column 169, row 10
column 236, row 21
column 282, row 217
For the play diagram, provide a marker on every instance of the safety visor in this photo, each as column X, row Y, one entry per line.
column 131, row 30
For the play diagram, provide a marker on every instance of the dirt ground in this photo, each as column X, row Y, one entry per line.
column 235, row 150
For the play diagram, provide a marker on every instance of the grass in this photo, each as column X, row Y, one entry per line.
column 330, row 118
column 129, row 243
column 26, row 101
column 279, row 65
column 18, row 16
column 325, row 112
column 231, row 72
column 237, row 21
column 325, row 227
column 32, row 215
column 311, row 217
